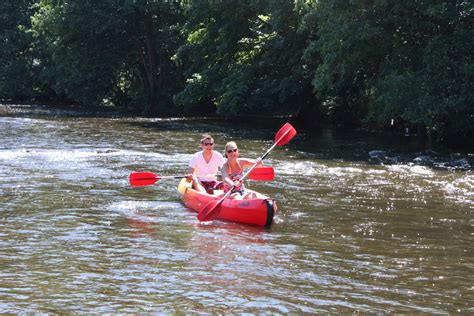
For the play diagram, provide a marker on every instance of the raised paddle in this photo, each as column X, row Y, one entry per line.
column 282, row 137
column 138, row 179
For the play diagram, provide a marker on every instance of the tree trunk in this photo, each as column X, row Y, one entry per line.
column 148, row 60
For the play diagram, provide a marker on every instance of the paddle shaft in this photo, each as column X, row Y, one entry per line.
column 264, row 155
column 171, row 177
column 226, row 195
column 147, row 178
column 210, row 208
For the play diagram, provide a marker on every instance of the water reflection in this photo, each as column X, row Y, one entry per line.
column 350, row 235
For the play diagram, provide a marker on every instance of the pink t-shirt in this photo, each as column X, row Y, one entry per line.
column 205, row 171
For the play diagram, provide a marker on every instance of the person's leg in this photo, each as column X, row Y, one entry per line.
column 198, row 186
column 235, row 196
column 249, row 194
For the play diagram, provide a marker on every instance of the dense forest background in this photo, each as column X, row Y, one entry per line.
column 380, row 64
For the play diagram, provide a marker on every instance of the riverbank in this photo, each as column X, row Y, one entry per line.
column 380, row 147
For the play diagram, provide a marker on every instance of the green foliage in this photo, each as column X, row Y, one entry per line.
column 16, row 60
column 345, row 39
column 246, row 60
column 78, row 63
column 111, row 52
column 409, row 60
column 430, row 85
column 347, row 62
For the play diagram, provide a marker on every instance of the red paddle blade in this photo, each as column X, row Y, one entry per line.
column 262, row 173
column 205, row 214
column 285, row 134
column 143, row 178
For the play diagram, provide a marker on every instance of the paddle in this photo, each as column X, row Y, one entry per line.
column 282, row 137
column 262, row 173
column 148, row 178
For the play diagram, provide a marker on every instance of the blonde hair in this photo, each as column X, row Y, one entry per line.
column 229, row 144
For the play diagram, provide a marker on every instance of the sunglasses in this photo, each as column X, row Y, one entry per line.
column 232, row 150
column 208, row 144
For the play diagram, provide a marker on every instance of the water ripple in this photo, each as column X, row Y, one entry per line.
column 349, row 237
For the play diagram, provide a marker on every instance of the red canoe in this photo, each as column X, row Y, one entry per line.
column 258, row 211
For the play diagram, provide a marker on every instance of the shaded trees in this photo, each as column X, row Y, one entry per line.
column 357, row 62
column 246, row 60
column 16, row 57
column 410, row 61
column 112, row 52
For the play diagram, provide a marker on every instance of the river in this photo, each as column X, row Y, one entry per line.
column 352, row 235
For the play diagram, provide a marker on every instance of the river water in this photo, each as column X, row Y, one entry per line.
column 350, row 236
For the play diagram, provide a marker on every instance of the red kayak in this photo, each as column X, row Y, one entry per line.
column 256, row 211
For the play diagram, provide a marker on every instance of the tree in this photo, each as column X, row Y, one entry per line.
column 352, row 45
column 112, row 52
column 435, row 88
column 246, row 60
column 16, row 60
column 410, row 61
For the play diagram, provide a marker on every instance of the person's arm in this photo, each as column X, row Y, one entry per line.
column 190, row 174
column 246, row 162
column 191, row 167
column 225, row 176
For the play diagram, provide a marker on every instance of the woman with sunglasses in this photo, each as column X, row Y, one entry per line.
column 204, row 165
column 233, row 171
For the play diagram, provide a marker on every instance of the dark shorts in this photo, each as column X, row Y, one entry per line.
column 210, row 186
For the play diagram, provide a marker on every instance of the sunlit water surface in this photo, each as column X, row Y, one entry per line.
column 350, row 236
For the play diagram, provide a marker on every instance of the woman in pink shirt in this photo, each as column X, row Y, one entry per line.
column 233, row 171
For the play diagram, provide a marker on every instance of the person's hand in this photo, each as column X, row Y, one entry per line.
column 236, row 187
column 259, row 161
column 189, row 176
